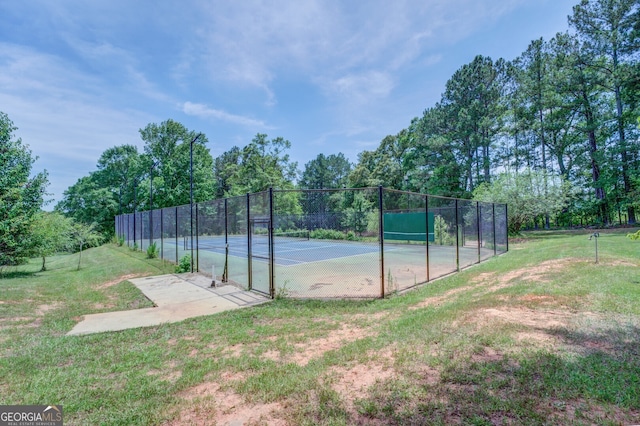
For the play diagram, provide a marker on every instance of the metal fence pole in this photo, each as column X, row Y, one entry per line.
column 162, row 234
column 177, row 260
column 197, row 268
column 457, row 238
column 478, row 230
column 495, row 249
column 225, row 274
column 506, row 225
column 272, row 290
column 426, row 207
column 381, row 237
column 249, row 278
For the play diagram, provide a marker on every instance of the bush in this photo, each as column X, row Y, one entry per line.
column 333, row 234
column 441, row 231
column 635, row 236
column 184, row 265
column 152, row 251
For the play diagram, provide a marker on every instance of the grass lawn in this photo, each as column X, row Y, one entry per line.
column 540, row 335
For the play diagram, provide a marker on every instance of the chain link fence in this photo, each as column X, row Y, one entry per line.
column 326, row 243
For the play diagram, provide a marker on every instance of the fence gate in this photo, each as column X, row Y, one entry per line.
column 259, row 258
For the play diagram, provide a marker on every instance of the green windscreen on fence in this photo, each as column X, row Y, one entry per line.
column 410, row 226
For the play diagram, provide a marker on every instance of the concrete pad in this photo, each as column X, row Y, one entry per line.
column 177, row 297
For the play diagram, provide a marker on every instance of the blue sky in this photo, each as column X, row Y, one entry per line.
column 78, row 76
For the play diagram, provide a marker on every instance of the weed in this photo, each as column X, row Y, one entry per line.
column 152, row 251
column 184, row 265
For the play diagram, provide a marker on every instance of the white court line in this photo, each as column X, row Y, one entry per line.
column 301, row 262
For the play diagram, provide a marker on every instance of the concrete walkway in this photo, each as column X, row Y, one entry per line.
column 177, row 297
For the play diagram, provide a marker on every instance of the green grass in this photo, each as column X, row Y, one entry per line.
column 541, row 335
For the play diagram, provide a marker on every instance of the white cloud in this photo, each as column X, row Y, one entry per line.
column 203, row 111
column 364, row 87
column 63, row 114
column 336, row 44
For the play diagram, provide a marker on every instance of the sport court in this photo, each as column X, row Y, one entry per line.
column 349, row 243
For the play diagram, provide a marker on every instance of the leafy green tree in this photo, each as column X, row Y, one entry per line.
column 21, row 196
column 356, row 216
column 83, row 236
column 117, row 170
column 472, row 103
column 431, row 165
column 224, row 169
column 90, row 203
column 167, row 153
column 51, row 233
column 526, row 195
column 384, row 166
column 581, row 88
column 325, row 172
column 263, row 164
column 609, row 29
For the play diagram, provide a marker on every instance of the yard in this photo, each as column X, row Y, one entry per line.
column 540, row 335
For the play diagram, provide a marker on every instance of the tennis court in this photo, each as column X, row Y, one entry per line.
column 288, row 250
column 348, row 243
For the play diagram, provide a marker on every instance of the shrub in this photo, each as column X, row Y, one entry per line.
column 184, row 265
column 332, row 234
column 635, row 236
column 152, row 251
column 441, row 231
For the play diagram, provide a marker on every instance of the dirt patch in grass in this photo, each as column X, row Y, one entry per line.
column 536, row 273
column 537, row 338
column 582, row 411
column 437, row 300
column 169, row 372
column 315, row 348
column 487, row 355
column 117, row 281
column 34, row 321
column 619, row 263
column 207, row 403
column 234, row 351
column 538, row 299
column 537, row 319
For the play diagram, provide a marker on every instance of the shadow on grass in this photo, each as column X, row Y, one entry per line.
column 595, row 381
column 8, row 275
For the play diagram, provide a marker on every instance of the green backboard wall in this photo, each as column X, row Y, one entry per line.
column 410, row 226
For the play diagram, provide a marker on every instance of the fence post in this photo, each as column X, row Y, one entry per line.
column 506, row 225
column 197, row 269
column 134, row 228
column 381, row 238
column 177, row 260
column 141, row 231
column 225, row 274
column 457, row 239
column 495, row 249
column 426, row 210
column 162, row 234
column 478, row 230
column 249, row 279
column 272, row 290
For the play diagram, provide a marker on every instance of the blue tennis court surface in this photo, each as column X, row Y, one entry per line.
column 287, row 252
